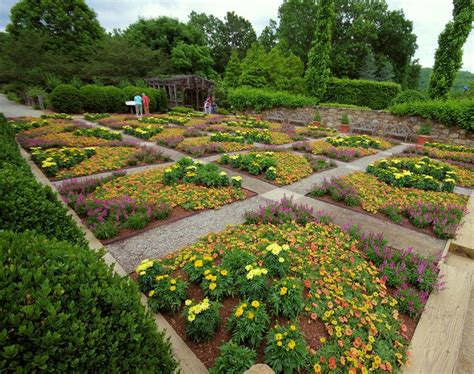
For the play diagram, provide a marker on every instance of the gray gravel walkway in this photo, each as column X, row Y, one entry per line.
column 12, row 109
column 166, row 239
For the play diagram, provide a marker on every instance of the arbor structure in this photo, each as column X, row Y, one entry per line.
column 448, row 56
column 318, row 71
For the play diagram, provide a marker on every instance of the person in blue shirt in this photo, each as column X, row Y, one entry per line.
column 138, row 105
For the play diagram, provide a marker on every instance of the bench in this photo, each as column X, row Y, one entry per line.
column 398, row 131
column 276, row 117
column 300, row 119
column 366, row 126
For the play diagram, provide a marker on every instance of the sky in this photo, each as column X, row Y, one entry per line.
column 429, row 17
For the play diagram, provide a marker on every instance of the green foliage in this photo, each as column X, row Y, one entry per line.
column 286, row 297
column 102, row 99
column 319, row 58
column 254, row 283
column 277, row 259
column 25, row 204
column 217, row 283
column 232, row 71
column 168, row 294
column 268, row 37
column 409, row 96
column 64, row 308
column 345, row 119
column 248, row 323
column 450, row 112
column 70, row 27
column 192, row 59
column 375, row 95
column 66, row 99
column 345, row 106
column 254, row 163
column 243, row 98
column 463, row 79
column 425, row 129
column 448, row 56
column 201, row 319
column 369, row 68
column 233, row 359
column 286, row 350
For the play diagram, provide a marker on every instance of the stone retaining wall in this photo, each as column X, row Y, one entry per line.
column 331, row 118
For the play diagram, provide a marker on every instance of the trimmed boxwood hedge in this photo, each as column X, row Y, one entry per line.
column 66, row 98
column 375, row 95
column 102, row 99
column 408, row 96
column 450, row 112
column 63, row 309
column 243, row 98
column 26, row 204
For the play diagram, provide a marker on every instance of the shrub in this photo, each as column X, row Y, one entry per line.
column 63, row 308
column 25, row 204
column 375, row 95
column 450, row 112
column 93, row 98
column 158, row 101
column 254, row 98
column 233, row 359
column 201, row 319
column 167, row 294
column 66, row 99
column 114, row 99
column 286, row 297
column 409, row 96
column 248, row 322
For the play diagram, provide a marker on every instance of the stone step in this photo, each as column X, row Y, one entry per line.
column 437, row 340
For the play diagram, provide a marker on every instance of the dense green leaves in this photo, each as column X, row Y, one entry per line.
column 375, row 95
column 191, row 58
column 66, row 98
column 448, row 56
column 63, row 308
column 449, row 112
column 318, row 72
column 252, row 98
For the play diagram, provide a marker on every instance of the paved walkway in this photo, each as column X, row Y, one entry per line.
column 12, row 109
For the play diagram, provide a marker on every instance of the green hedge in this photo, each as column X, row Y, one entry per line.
column 66, row 98
column 375, row 95
column 243, row 98
column 26, row 204
column 408, row 96
column 64, row 309
column 102, row 99
column 450, row 112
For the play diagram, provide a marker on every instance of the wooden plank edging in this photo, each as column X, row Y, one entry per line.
column 187, row 360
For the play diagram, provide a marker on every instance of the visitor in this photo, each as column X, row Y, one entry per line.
column 146, row 103
column 138, row 105
column 207, row 105
column 213, row 106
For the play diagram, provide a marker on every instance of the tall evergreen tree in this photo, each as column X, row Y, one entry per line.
column 319, row 59
column 232, row 71
column 369, row 68
column 448, row 56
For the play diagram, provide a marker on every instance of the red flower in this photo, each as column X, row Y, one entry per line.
column 332, row 363
column 314, row 316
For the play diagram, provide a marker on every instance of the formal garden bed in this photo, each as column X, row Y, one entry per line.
column 344, row 148
column 121, row 205
column 293, row 290
column 454, row 154
column 279, row 168
column 65, row 149
column 414, row 192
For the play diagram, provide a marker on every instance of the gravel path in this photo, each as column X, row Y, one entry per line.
column 166, row 239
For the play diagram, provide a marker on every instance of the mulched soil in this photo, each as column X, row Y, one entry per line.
column 177, row 213
column 404, row 223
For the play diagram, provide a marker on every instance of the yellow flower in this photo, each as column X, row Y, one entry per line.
column 281, row 260
column 322, row 340
column 250, row 315
column 142, row 272
column 191, row 317
column 255, row 304
column 188, row 302
column 278, row 336
column 173, row 281
column 293, row 328
column 371, row 339
column 283, row 291
column 151, row 293
column 224, row 272
column 317, row 368
column 239, row 312
column 212, row 286
column 279, row 343
column 173, row 288
column 291, row 344
column 198, row 263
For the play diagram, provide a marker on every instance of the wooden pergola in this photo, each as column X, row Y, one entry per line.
column 184, row 90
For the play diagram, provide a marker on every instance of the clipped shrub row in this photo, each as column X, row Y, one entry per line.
column 66, row 98
column 375, row 95
column 62, row 307
column 450, row 112
column 243, row 98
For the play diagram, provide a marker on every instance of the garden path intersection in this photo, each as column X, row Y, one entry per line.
column 162, row 240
